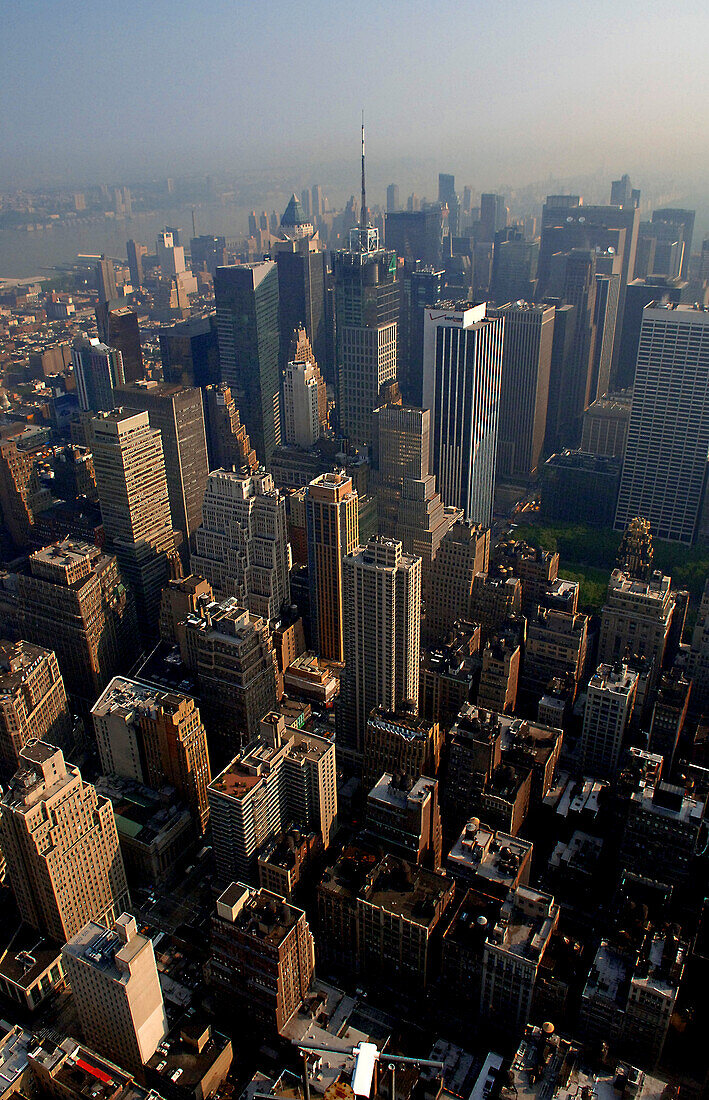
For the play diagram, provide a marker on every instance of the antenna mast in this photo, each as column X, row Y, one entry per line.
column 363, row 208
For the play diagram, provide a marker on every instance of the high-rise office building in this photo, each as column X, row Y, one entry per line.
column 623, row 193
column 98, row 370
column 116, row 991
column 420, row 285
column 318, row 201
column 568, row 224
column 409, row 508
column 366, row 310
column 231, row 653
column 448, row 196
column 577, row 271
column 177, row 413
column 301, row 262
column 246, row 298
column 135, row 262
column 679, row 219
column 493, row 215
column 135, row 505
column 304, row 394
column 242, row 546
column 118, row 328
column 393, row 203
column 283, row 777
column 228, row 443
column 638, row 294
column 22, row 495
column 105, row 280
column 73, row 600
column 664, row 472
column 255, row 933
column 514, row 266
column 609, row 707
column 381, row 603
column 189, row 352
column 606, row 322
column 636, row 620
column 333, row 530
column 605, row 426
column 461, row 386
column 61, row 846
column 32, row 701
column 418, row 235
column 208, row 253
column 400, row 743
column 464, row 552
column 526, row 363
column 155, row 737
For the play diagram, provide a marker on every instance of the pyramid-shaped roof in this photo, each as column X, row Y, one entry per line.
column 294, row 213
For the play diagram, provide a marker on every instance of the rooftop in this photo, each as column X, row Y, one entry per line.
column 489, row 854
column 394, row 885
column 258, row 913
column 108, row 950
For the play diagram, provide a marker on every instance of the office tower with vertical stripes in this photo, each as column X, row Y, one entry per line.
column 526, row 364
column 246, row 297
column 462, row 377
column 665, row 467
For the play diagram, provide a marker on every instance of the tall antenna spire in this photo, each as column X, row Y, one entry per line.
column 363, row 208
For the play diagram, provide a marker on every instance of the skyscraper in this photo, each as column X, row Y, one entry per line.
column 74, row 600
column 381, row 602
column 189, row 352
column 417, row 234
column 98, row 370
column 366, row 310
column 231, row 653
column 304, row 394
column 301, row 258
column 461, row 386
column 135, row 505
column 241, row 547
column 683, row 219
column 609, row 706
column 333, row 531
column 409, row 507
column 493, row 215
column 118, row 328
column 116, row 990
column 32, row 701
column 526, row 363
column 155, row 737
column 283, row 777
column 393, row 203
column 176, row 412
column 228, row 443
column 246, row 298
column 665, row 465
column 135, row 262
column 420, row 286
column 447, row 194
column 61, row 846
column 106, row 280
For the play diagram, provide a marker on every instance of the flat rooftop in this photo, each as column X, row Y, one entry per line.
column 98, row 947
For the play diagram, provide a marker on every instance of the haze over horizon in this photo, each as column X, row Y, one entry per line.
column 489, row 91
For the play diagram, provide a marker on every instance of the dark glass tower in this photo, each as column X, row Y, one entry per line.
column 246, row 297
column 301, row 285
column 420, row 286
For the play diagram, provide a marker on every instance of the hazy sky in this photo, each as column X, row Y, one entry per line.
column 103, row 90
